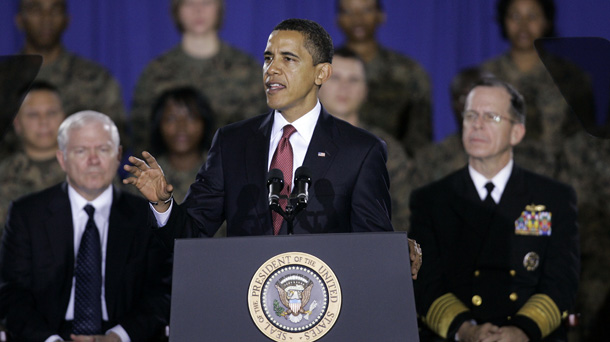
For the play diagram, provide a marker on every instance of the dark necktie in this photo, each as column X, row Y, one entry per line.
column 282, row 159
column 88, row 284
column 489, row 201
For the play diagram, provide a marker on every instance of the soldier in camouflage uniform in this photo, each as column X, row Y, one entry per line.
column 549, row 120
column 34, row 167
column 228, row 77
column 182, row 129
column 399, row 100
column 83, row 84
column 342, row 96
column 585, row 161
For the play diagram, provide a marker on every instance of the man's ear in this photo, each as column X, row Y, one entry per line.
column 59, row 154
column 517, row 133
column 17, row 125
column 323, row 72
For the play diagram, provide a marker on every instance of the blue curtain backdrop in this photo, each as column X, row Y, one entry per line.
column 443, row 35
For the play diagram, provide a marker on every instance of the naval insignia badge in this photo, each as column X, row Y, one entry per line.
column 294, row 296
column 531, row 261
column 534, row 221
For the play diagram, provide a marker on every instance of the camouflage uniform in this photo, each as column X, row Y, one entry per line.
column 548, row 116
column 82, row 84
column 435, row 161
column 231, row 81
column 585, row 164
column 400, row 186
column 398, row 100
column 20, row 175
column 179, row 179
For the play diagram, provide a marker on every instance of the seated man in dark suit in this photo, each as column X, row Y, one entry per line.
column 502, row 255
column 349, row 190
column 78, row 260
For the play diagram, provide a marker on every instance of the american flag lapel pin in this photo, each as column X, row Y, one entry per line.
column 321, row 154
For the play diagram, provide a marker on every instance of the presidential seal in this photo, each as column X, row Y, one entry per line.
column 294, row 297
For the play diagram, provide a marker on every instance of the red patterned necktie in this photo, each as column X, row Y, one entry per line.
column 282, row 159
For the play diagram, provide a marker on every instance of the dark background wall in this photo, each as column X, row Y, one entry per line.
column 443, row 35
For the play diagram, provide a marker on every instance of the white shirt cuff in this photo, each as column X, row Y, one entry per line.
column 162, row 218
column 121, row 332
column 54, row 338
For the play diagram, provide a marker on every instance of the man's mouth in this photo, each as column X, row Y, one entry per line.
column 273, row 87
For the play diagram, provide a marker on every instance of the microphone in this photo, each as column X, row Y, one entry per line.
column 302, row 180
column 275, row 183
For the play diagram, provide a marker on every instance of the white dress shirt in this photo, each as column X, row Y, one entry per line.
column 499, row 181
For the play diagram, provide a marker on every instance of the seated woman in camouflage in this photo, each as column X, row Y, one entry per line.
column 182, row 131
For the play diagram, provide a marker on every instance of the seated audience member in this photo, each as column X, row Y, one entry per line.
column 228, row 77
column 399, row 100
column 183, row 125
column 435, row 161
column 548, row 115
column 83, row 84
column 342, row 96
column 501, row 242
column 78, row 260
column 34, row 166
column 585, row 166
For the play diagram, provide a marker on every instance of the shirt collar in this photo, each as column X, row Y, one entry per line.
column 304, row 125
column 101, row 204
column 499, row 180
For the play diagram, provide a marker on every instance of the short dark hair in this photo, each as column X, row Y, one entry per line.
column 44, row 85
column 317, row 41
column 64, row 3
column 517, row 103
column 378, row 5
column 548, row 7
column 39, row 85
column 195, row 102
column 346, row 52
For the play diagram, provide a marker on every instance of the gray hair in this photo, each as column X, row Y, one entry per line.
column 517, row 103
column 80, row 119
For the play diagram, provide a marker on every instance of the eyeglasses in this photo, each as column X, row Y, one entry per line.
column 488, row 117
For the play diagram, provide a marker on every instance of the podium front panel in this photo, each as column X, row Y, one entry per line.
column 212, row 278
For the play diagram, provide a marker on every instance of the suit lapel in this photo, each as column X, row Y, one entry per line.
column 515, row 194
column 60, row 231
column 322, row 149
column 468, row 204
column 121, row 232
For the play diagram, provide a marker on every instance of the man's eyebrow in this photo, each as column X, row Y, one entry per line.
column 288, row 53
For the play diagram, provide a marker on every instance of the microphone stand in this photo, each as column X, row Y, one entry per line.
column 291, row 212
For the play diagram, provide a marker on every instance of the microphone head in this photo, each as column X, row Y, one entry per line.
column 303, row 173
column 275, row 175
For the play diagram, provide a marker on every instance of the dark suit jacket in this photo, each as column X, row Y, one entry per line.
column 37, row 266
column 471, row 250
column 349, row 191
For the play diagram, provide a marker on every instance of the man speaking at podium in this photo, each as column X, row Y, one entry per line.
column 349, row 190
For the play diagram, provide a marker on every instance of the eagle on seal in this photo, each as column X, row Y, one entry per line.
column 294, row 291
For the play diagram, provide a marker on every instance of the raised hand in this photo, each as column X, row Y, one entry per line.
column 148, row 177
